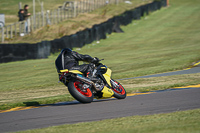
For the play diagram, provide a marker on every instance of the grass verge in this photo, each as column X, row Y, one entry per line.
column 184, row 122
column 48, row 95
column 160, row 83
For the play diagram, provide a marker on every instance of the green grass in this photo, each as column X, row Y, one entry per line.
column 177, row 122
column 166, row 40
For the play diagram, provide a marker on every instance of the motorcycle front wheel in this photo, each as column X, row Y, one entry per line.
column 83, row 96
column 119, row 92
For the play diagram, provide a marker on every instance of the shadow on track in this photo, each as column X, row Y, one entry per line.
column 36, row 104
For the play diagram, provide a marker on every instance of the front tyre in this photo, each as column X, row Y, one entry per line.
column 83, row 96
column 119, row 91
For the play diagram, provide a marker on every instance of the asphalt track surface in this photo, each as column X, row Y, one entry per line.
column 170, row 100
column 74, row 112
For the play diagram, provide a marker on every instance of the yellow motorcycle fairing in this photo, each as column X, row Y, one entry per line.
column 107, row 92
column 71, row 71
column 107, row 76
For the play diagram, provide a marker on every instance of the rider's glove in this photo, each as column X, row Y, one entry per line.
column 95, row 60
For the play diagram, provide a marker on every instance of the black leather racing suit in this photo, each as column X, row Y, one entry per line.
column 71, row 59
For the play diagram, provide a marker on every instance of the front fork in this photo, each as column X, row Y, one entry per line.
column 115, row 85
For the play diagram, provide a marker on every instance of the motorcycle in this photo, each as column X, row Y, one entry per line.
column 84, row 89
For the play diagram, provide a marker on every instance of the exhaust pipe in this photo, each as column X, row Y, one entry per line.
column 88, row 81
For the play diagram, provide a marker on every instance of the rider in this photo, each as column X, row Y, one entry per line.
column 71, row 61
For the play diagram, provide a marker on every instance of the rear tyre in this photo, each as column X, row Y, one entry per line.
column 83, row 96
column 119, row 92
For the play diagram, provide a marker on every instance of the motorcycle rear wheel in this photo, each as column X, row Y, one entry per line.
column 83, row 96
column 119, row 93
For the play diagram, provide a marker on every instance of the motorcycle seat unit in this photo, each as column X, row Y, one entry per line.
column 60, row 60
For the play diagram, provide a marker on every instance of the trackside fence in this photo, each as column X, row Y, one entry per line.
column 44, row 18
